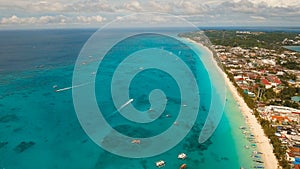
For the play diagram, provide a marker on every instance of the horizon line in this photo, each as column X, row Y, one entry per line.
column 155, row 27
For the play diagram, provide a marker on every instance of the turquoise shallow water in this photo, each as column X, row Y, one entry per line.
column 45, row 121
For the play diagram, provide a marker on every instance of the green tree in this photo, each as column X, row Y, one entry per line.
column 269, row 94
column 287, row 93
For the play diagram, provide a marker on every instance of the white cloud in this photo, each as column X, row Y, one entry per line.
column 191, row 7
column 44, row 6
column 59, row 19
column 160, row 6
column 86, row 11
column 278, row 3
column 133, row 6
column 148, row 20
column 36, row 20
column 16, row 20
column 258, row 17
column 90, row 19
column 92, row 6
column 87, row 6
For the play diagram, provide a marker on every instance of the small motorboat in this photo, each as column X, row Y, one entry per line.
column 258, row 161
column 182, row 156
column 257, row 152
column 136, row 141
column 160, row 163
column 183, row 166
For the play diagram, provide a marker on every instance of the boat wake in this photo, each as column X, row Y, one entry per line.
column 71, row 87
column 125, row 104
column 120, row 108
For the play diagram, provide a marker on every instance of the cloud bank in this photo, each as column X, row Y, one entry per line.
column 59, row 19
column 200, row 12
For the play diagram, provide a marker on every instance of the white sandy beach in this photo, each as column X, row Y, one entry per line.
column 263, row 143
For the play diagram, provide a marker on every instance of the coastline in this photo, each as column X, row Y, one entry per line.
column 263, row 144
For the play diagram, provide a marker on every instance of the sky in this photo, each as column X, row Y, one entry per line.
column 94, row 13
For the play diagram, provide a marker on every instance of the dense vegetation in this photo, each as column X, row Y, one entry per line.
column 283, row 98
column 289, row 92
column 269, row 94
column 270, row 40
column 291, row 65
column 278, row 150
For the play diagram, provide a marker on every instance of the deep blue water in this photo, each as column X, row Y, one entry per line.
column 39, row 127
column 24, row 50
column 256, row 28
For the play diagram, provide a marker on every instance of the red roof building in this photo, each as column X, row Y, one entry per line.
column 281, row 118
column 274, row 79
column 265, row 82
column 294, row 151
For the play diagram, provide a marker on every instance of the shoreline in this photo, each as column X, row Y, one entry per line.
column 263, row 144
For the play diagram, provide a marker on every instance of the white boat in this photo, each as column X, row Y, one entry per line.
column 182, row 156
column 168, row 115
column 160, row 163
column 256, row 152
column 136, row 141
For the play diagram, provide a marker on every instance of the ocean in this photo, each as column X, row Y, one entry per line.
column 255, row 28
column 40, row 127
column 294, row 48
